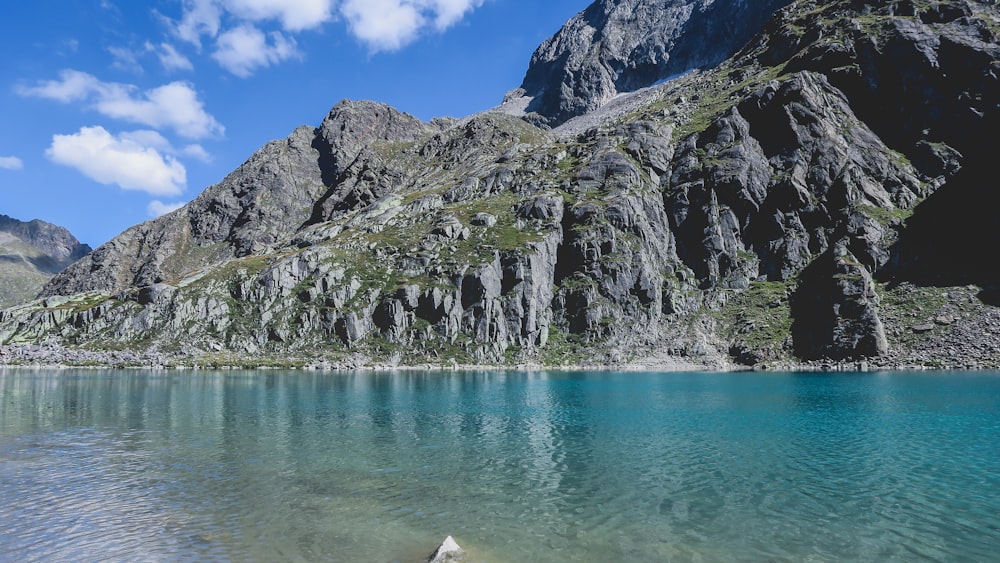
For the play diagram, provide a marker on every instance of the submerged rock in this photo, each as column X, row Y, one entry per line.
column 448, row 552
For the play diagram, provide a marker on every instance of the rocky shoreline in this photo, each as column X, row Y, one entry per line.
column 927, row 329
column 56, row 357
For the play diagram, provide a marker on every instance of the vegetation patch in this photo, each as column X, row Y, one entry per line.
column 84, row 302
column 758, row 318
column 906, row 300
column 564, row 348
column 889, row 217
column 436, row 350
column 725, row 87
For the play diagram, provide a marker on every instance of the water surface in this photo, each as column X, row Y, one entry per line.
column 264, row 466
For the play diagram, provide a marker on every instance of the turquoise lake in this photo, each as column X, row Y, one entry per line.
column 518, row 467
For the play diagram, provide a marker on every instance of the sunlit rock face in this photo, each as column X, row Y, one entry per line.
column 621, row 45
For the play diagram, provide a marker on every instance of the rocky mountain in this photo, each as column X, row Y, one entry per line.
column 823, row 194
column 30, row 254
column 617, row 46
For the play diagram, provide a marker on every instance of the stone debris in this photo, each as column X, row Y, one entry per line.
column 944, row 320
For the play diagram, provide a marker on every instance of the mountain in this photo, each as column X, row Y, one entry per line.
column 820, row 192
column 619, row 46
column 30, row 254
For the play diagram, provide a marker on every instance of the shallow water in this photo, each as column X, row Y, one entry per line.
column 264, row 466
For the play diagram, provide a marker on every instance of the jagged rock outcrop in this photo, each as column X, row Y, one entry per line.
column 836, row 310
column 30, row 254
column 763, row 209
column 766, row 187
column 284, row 186
column 622, row 45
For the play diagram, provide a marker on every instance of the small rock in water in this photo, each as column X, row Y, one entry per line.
column 448, row 552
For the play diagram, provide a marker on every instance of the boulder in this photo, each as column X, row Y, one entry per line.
column 448, row 552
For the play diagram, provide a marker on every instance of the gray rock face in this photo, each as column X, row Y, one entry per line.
column 30, row 254
column 621, row 45
column 759, row 210
column 285, row 185
column 764, row 189
column 837, row 310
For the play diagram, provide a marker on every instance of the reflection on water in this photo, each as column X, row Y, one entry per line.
column 267, row 466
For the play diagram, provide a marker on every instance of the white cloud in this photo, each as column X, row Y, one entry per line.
column 169, row 57
column 173, row 106
column 71, row 46
column 204, row 17
column 124, row 160
column 157, row 208
column 197, row 152
column 294, row 16
column 154, row 140
column 243, row 49
column 242, row 46
column 125, row 59
column 449, row 12
column 389, row 25
column 72, row 86
column 147, row 138
column 385, row 25
column 11, row 163
column 201, row 17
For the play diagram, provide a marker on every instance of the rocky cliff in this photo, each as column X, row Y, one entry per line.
column 619, row 46
column 822, row 194
column 30, row 254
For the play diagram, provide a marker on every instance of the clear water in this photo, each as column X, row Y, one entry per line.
column 262, row 466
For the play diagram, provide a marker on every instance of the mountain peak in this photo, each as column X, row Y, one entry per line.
column 31, row 252
column 617, row 46
column 54, row 240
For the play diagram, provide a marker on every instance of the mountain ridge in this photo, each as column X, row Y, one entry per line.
column 616, row 46
column 31, row 253
column 756, row 212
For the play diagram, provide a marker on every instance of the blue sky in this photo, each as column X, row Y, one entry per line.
column 114, row 111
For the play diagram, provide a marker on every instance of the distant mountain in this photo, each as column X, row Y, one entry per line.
column 820, row 188
column 30, row 254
